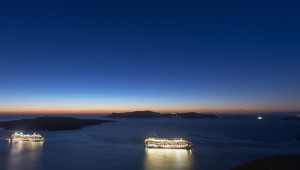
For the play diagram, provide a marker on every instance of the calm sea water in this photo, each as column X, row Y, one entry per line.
column 218, row 144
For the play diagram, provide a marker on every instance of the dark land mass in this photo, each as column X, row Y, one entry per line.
column 295, row 118
column 298, row 138
column 150, row 114
column 287, row 162
column 140, row 114
column 281, row 113
column 193, row 115
column 50, row 123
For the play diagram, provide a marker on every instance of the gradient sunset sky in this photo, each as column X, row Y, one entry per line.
column 168, row 56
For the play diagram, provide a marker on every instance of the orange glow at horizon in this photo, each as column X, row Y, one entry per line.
column 166, row 109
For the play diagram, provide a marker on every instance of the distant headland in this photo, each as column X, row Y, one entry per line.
column 194, row 115
column 50, row 123
column 294, row 118
column 151, row 114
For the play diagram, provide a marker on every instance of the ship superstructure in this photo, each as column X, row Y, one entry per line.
column 21, row 137
column 169, row 143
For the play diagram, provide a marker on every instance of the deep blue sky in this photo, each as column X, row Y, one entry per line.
column 165, row 56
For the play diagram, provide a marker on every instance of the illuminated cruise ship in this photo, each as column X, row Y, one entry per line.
column 168, row 143
column 20, row 137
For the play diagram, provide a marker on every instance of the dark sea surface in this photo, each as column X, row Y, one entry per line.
column 218, row 144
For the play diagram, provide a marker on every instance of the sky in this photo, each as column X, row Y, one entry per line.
column 95, row 56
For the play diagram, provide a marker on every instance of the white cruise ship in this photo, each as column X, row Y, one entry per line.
column 168, row 143
column 20, row 137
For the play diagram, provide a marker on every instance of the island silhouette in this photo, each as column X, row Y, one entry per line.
column 50, row 123
column 151, row 114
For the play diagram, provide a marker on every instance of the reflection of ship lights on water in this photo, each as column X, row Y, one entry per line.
column 168, row 159
column 24, row 155
column 172, row 143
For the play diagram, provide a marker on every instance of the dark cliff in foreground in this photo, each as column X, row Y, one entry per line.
column 150, row 114
column 288, row 162
column 50, row 123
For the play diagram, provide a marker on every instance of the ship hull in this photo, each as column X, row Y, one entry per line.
column 162, row 147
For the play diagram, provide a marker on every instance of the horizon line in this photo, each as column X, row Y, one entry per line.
column 163, row 112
